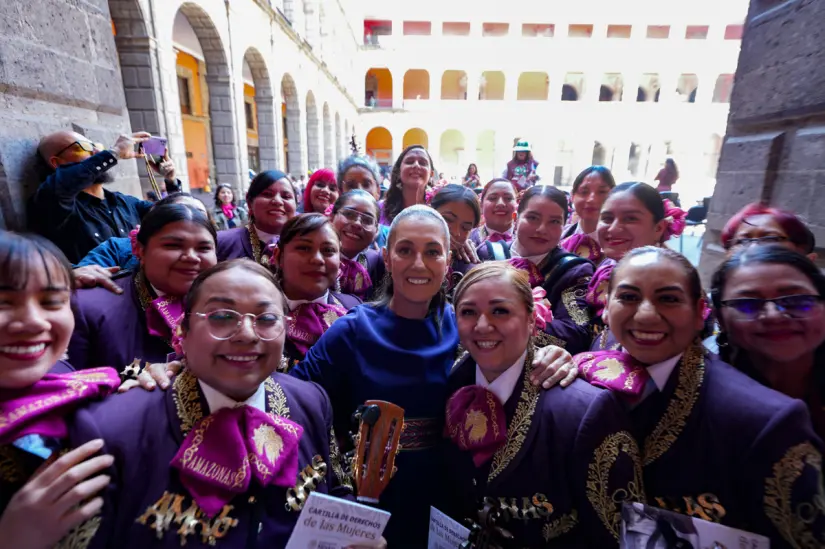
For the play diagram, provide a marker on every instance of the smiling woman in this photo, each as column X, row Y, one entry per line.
column 194, row 443
column 175, row 243
column 747, row 456
column 272, row 201
column 321, row 191
column 398, row 350
column 769, row 302
column 488, row 420
column 307, row 260
column 563, row 276
column 355, row 218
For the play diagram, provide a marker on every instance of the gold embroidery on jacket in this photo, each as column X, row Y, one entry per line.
column 188, row 404
column 543, row 339
column 667, row 431
column 560, row 526
column 568, row 298
column 169, row 509
column 308, row 480
column 336, row 461
column 11, row 467
column 705, row 506
column 257, row 246
column 187, row 400
column 795, row 524
column 520, row 424
column 80, row 536
column 606, row 504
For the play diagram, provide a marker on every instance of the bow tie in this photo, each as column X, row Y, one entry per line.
column 309, row 321
column 226, row 450
column 498, row 237
column 354, row 278
column 524, row 264
column 476, row 422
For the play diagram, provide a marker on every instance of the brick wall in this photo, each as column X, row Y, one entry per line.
column 58, row 70
column 775, row 145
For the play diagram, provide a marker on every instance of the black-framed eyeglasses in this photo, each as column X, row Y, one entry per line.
column 794, row 306
column 353, row 215
column 225, row 323
column 87, row 146
column 769, row 239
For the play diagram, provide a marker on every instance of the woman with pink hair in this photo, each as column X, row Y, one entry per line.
column 321, row 192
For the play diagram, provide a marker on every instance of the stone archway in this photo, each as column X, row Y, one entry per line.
column 314, row 144
column 265, row 111
column 139, row 65
column 226, row 164
column 293, row 144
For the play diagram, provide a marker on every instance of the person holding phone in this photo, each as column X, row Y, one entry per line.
column 72, row 208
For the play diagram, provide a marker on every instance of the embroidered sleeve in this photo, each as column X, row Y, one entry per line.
column 614, row 476
column 781, row 475
column 794, row 497
column 574, row 301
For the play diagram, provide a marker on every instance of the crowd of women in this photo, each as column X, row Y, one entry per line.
column 554, row 360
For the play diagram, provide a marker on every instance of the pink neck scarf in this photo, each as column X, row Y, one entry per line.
column 596, row 295
column 163, row 316
column 41, row 409
column 583, row 246
column 226, row 450
column 614, row 370
column 309, row 321
column 536, row 278
column 476, row 422
column 228, row 210
column 354, row 278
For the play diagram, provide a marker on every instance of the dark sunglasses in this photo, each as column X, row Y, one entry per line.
column 87, row 146
column 794, row 306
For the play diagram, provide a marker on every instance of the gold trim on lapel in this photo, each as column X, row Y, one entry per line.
column 794, row 527
column 187, row 398
column 519, row 426
column 257, row 245
column 682, row 402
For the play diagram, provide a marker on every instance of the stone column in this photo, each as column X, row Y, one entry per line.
column 397, row 87
column 223, row 126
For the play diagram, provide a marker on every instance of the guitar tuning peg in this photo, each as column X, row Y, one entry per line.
column 394, row 468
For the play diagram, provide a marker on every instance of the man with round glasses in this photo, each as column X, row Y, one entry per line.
column 72, row 208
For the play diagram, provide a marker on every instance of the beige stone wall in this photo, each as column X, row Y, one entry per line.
column 62, row 67
column 775, row 145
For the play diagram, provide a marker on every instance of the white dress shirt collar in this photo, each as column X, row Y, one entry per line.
column 218, row 401
column 265, row 238
column 504, row 385
column 594, row 235
column 293, row 303
column 534, row 259
column 490, row 232
column 660, row 372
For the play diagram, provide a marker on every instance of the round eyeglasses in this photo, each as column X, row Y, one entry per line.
column 225, row 323
column 793, row 306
